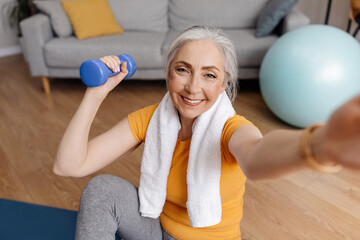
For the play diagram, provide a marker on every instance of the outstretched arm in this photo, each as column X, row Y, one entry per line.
column 280, row 152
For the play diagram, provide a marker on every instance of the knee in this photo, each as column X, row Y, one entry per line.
column 107, row 186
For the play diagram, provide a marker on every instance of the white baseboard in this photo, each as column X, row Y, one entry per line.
column 10, row 51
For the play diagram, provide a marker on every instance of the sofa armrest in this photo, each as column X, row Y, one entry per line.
column 36, row 31
column 294, row 19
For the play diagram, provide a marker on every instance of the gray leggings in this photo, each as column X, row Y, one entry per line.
column 110, row 204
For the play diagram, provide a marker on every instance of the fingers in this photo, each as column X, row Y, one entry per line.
column 112, row 62
column 119, row 77
column 124, row 68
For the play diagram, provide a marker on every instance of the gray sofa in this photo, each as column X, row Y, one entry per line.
column 52, row 50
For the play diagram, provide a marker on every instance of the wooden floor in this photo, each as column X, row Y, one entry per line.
column 306, row 205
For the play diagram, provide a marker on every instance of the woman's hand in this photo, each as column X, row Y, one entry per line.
column 112, row 62
column 339, row 140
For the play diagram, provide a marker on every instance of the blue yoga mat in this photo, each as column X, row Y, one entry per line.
column 25, row 221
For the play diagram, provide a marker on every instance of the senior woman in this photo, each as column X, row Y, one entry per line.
column 198, row 151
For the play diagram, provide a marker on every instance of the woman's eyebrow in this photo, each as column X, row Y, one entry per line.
column 204, row 67
column 211, row 67
column 185, row 63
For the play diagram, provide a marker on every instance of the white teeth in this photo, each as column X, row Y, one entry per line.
column 192, row 102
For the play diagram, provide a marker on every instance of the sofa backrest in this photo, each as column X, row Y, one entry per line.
column 160, row 15
column 140, row 15
column 217, row 13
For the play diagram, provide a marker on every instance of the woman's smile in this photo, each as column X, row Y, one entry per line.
column 191, row 102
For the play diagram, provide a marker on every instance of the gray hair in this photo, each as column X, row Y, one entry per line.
column 226, row 47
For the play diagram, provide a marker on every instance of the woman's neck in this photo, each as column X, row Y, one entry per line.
column 185, row 132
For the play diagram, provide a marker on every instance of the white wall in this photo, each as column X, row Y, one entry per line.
column 339, row 13
column 314, row 9
column 9, row 44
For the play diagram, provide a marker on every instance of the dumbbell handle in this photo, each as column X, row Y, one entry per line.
column 95, row 73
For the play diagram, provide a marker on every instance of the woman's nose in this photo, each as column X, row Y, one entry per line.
column 194, row 84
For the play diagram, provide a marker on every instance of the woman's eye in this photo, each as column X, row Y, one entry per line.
column 210, row 75
column 181, row 69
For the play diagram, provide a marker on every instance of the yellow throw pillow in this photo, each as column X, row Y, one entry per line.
column 91, row 18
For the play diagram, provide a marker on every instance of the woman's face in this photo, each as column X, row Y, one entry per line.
column 196, row 78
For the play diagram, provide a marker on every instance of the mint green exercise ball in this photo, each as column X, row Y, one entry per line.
column 309, row 72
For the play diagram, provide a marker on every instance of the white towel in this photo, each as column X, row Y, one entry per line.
column 204, row 165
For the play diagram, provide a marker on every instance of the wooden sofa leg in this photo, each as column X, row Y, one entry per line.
column 45, row 84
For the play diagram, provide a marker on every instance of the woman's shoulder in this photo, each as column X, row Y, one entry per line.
column 147, row 111
column 236, row 121
column 231, row 125
column 139, row 121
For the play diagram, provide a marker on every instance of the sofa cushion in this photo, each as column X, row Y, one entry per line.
column 149, row 15
column 223, row 14
column 144, row 47
column 249, row 50
column 271, row 15
column 59, row 21
column 91, row 18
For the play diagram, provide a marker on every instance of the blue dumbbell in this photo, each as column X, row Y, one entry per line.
column 95, row 73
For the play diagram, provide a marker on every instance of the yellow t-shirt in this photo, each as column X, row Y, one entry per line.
column 174, row 217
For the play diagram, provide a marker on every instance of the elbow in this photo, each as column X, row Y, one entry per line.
column 62, row 168
column 58, row 171
column 57, row 167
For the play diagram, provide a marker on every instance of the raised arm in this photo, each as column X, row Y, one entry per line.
column 76, row 156
column 280, row 152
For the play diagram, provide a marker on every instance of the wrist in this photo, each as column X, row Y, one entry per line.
column 317, row 146
column 95, row 95
column 313, row 151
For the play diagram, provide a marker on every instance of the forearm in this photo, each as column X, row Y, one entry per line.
column 275, row 155
column 73, row 147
